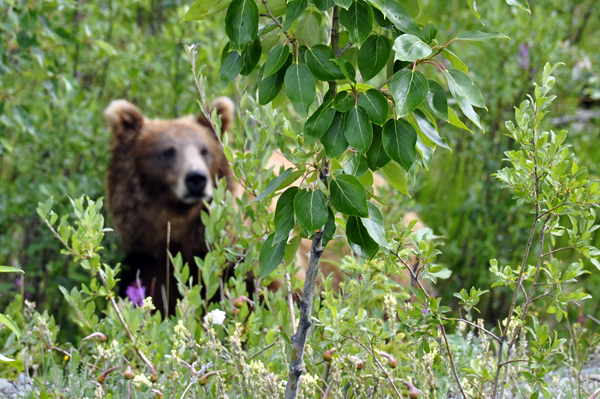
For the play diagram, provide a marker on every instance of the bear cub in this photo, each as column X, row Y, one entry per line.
column 161, row 172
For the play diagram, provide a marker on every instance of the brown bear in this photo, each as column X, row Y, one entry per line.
column 161, row 172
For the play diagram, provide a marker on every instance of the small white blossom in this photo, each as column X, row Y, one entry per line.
column 140, row 380
column 215, row 317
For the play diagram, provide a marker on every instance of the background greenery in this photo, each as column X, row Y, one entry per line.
column 64, row 61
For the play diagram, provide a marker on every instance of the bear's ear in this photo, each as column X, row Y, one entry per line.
column 225, row 109
column 125, row 119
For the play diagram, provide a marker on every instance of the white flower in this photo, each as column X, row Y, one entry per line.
column 215, row 317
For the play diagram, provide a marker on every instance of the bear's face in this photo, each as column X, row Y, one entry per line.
column 180, row 156
column 177, row 160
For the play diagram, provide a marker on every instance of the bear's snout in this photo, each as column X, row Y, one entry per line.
column 195, row 181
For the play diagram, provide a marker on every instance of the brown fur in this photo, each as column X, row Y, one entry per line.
column 141, row 183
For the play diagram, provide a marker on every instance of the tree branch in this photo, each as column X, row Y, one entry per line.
column 299, row 339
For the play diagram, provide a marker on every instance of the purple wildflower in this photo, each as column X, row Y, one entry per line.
column 523, row 58
column 136, row 293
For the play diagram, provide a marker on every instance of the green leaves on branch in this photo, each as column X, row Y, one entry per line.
column 358, row 129
column 300, row 87
column 311, row 209
column 358, row 19
column 409, row 88
column 411, row 48
column 399, row 141
column 241, row 23
column 348, row 195
column 319, row 60
column 373, row 55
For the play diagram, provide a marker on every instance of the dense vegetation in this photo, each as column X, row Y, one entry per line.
column 64, row 61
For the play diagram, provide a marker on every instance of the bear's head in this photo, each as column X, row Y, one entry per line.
column 180, row 159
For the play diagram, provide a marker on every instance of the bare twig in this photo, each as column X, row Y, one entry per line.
column 378, row 364
column 491, row 334
column 442, row 329
column 262, row 350
column 290, row 301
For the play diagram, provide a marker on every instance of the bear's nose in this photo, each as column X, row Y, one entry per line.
column 195, row 182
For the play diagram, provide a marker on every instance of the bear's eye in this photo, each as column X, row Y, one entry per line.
column 168, row 154
column 204, row 152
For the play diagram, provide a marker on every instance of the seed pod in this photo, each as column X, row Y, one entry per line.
column 413, row 392
column 392, row 362
column 328, row 355
column 105, row 373
column 358, row 363
column 97, row 335
column 128, row 374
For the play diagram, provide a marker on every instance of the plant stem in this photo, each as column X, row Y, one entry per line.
column 290, row 301
column 124, row 323
column 491, row 334
column 299, row 339
column 442, row 329
column 378, row 364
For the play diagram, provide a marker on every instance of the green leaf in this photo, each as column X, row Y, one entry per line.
column 399, row 141
column 319, row 60
column 397, row 14
column 360, row 240
column 347, row 69
column 358, row 129
column 430, row 32
column 473, row 6
column 396, row 176
column 241, row 23
column 329, row 229
column 269, row 87
column 271, row 255
column 461, row 85
column 373, row 55
column 356, row 166
column 376, row 155
column 8, row 269
column 318, row 123
column 199, row 9
column 308, row 28
column 467, row 109
column 107, row 48
column 374, row 225
column 348, row 195
column 300, row 87
column 231, row 66
column 409, row 88
column 428, row 128
column 284, row 214
column 436, row 100
column 412, row 6
column 293, row 10
column 522, row 4
column 277, row 58
column 13, row 362
column 345, row 4
column 376, row 106
column 454, row 120
column 323, row 5
column 334, row 140
column 478, row 36
column 455, row 61
column 291, row 249
column 311, row 209
column 8, row 322
column 273, row 184
column 343, row 101
column 409, row 47
column 358, row 19
column 251, row 57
